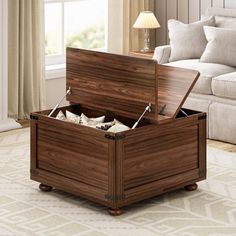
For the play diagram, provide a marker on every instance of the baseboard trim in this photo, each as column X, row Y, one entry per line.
column 9, row 124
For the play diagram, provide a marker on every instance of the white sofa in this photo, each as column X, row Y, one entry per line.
column 215, row 91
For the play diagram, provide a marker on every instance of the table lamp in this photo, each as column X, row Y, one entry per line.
column 146, row 20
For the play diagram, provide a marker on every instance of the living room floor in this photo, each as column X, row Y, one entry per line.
column 221, row 145
column 25, row 210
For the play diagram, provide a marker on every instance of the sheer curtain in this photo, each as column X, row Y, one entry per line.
column 5, row 123
column 26, row 85
column 134, row 38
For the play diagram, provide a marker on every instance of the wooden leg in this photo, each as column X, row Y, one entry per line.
column 191, row 187
column 45, row 188
column 115, row 212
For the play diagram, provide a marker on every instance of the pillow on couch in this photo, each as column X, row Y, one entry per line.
column 221, row 47
column 219, row 11
column 188, row 41
column 225, row 22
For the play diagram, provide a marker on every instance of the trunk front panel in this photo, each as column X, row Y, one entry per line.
column 165, row 152
column 72, row 154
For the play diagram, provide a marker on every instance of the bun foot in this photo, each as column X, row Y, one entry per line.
column 115, row 212
column 191, row 187
column 45, row 188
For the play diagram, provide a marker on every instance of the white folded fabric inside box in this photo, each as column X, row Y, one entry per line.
column 114, row 126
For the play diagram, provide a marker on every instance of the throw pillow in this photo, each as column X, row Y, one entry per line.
column 219, row 11
column 225, row 22
column 114, row 126
column 71, row 117
column 60, row 116
column 188, row 41
column 92, row 122
column 106, row 125
column 221, row 47
column 118, row 128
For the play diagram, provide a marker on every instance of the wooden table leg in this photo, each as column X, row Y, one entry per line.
column 115, row 212
column 191, row 187
column 45, row 188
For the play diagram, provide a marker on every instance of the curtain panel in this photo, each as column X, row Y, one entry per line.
column 26, row 84
column 134, row 38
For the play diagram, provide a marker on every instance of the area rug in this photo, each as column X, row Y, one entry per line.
column 24, row 210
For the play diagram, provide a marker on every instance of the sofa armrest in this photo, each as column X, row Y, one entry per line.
column 162, row 54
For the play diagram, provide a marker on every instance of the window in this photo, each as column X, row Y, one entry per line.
column 74, row 23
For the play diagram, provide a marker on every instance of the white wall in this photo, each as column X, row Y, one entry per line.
column 55, row 90
column 184, row 10
column 115, row 26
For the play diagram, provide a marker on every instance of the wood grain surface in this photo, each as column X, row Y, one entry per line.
column 174, row 85
column 127, row 84
column 125, row 168
column 117, row 82
column 163, row 155
column 164, row 152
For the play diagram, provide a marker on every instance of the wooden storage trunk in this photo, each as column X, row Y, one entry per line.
column 166, row 151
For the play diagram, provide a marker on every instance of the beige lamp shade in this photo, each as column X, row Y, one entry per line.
column 146, row 20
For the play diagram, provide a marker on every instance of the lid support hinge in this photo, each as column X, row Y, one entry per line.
column 184, row 112
column 58, row 104
column 161, row 112
column 148, row 108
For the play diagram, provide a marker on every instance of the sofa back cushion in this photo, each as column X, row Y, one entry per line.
column 225, row 22
column 221, row 47
column 218, row 11
column 225, row 18
column 188, row 41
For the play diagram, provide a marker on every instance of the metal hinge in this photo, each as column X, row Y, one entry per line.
column 161, row 112
column 116, row 137
column 203, row 117
column 34, row 172
column 34, row 117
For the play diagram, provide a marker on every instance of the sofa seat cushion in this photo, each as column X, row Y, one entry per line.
column 207, row 70
column 225, row 85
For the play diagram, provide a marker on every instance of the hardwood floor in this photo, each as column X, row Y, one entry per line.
column 24, row 123
column 212, row 143
column 221, row 145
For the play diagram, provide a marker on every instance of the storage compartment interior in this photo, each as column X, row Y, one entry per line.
column 92, row 112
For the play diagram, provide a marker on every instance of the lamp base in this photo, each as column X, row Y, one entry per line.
column 146, row 47
column 146, row 50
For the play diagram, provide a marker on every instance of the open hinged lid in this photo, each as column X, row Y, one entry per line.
column 126, row 85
